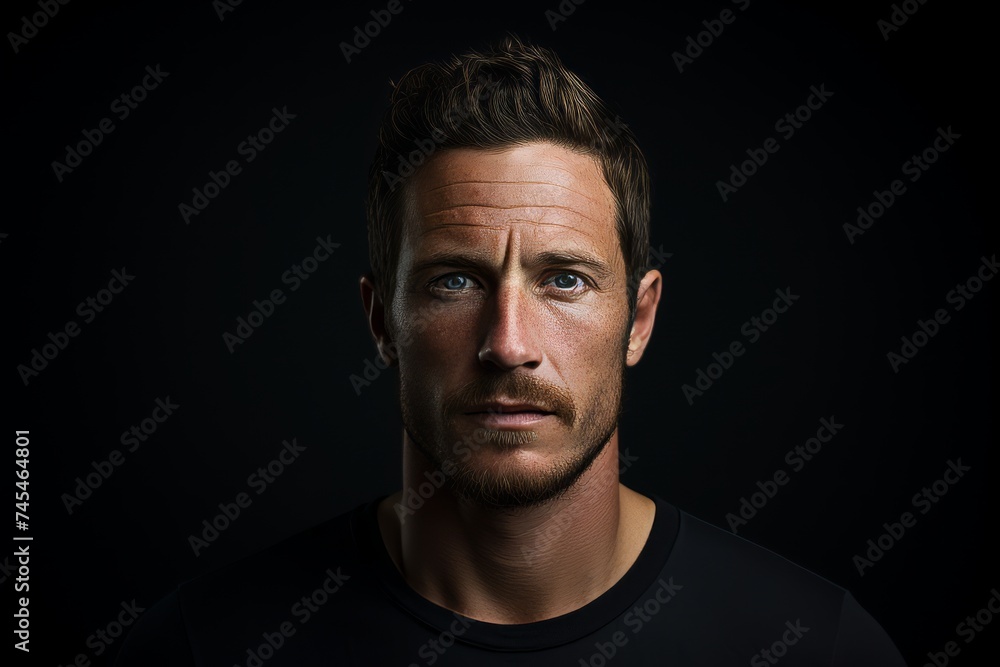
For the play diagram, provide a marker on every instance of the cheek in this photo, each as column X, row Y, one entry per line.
column 436, row 335
column 592, row 330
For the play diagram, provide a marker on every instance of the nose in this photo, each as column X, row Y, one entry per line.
column 512, row 336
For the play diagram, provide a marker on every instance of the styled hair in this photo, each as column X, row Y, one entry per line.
column 512, row 94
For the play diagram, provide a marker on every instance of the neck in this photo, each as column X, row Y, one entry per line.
column 516, row 566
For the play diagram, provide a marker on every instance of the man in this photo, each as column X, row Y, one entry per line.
column 508, row 227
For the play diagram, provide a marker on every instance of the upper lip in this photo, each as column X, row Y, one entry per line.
column 506, row 407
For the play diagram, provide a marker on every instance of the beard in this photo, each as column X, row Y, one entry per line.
column 507, row 482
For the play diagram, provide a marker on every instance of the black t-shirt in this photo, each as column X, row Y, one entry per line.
column 696, row 595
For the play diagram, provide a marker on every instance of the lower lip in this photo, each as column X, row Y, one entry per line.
column 509, row 419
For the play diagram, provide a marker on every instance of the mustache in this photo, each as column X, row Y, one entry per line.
column 513, row 387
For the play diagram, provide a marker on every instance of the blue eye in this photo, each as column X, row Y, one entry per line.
column 454, row 282
column 568, row 283
column 559, row 282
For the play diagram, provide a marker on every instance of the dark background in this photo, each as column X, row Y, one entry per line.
column 162, row 336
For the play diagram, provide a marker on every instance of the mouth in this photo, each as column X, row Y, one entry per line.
column 497, row 408
column 508, row 415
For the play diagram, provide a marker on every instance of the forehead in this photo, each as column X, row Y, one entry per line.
column 534, row 191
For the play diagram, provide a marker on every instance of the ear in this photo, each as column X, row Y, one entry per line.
column 375, row 313
column 648, row 297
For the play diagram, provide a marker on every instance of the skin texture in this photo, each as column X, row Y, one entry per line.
column 531, row 522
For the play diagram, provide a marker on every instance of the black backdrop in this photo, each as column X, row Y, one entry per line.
column 161, row 336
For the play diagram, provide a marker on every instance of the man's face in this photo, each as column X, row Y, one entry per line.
column 511, row 317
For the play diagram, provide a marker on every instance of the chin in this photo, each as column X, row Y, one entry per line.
column 516, row 477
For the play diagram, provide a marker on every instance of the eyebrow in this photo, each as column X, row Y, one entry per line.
column 553, row 258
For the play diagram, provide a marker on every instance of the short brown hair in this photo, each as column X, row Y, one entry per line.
column 514, row 93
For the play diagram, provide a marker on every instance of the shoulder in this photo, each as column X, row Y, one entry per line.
column 231, row 608
column 742, row 566
column 280, row 568
column 735, row 583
